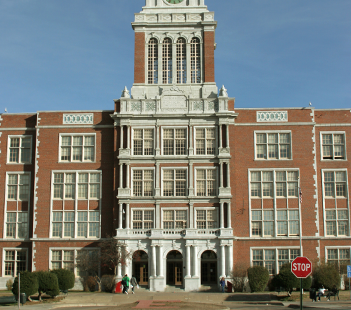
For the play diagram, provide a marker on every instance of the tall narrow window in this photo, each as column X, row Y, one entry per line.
column 167, row 61
column 195, row 61
column 153, row 62
column 15, row 261
column 333, row 146
column 143, row 142
column 181, row 61
column 20, row 150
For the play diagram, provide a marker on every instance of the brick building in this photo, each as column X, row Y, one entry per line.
column 179, row 175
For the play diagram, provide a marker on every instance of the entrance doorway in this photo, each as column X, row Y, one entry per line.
column 209, row 268
column 174, row 268
column 141, row 267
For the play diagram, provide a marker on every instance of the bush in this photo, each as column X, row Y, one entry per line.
column 258, row 278
column 48, row 283
column 90, row 283
column 238, row 276
column 306, row 283
column 66, row 279
column 29, row 284
column 9, row 284
column 326, row 275
column 108, row 283
column 286, row 278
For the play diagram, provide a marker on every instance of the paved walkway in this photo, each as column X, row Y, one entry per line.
column 227, row 301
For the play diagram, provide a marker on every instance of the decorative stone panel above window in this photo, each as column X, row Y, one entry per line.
column 272, row 117
column 85, row 119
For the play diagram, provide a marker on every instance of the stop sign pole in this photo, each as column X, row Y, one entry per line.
column 301, row 267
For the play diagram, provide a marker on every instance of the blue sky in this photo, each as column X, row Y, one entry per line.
column 79, row 54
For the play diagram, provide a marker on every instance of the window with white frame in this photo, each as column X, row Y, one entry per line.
column 337, row 222
column 181, row 61
column 206, row 219
column 273, row 145
column 205, row 182
column 67, row 259
column 262, row 184
column 205, row 141
column 17, row 225
column 65, row 185
column 77, row 148
column 143, row 183
column 15, row 261
column 143, row 219
column 340, row 258
column 143, row 142
column 175, row 141
column 333, row 146
column 175, row 219
column 20, row 148
column 273, row 259
column 167, row 54
column 263, row 223
column 335, row 184
column 18, row 186
column 174, row 182
column 63, row 224
column 195, row 60
column 153, row 61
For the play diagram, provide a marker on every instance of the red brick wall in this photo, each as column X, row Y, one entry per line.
column 139, row 60
column 209, row 68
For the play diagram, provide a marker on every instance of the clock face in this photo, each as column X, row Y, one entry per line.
column 174, row 1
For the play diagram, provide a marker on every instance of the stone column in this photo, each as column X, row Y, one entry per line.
column 191, row 137
column 221, row 215
column 221, row 175
column 127, row 216
column 230, row 260
column 188, row 262
column 153, row 261
column 120, row 216
column 121, row 137
column 222, row 261
column 128, row 137
column 120, row 175
column 195, row 260
column 158, row 216
column 191, row 215
column 160, row 67
column 191, row 179
column 229, row 215
column 127, row 177
column 157, row 176
column 220, row 136
column 228, row 174
column 160, row 261
column 119, row 271
column 157, row 140
column 227, row 135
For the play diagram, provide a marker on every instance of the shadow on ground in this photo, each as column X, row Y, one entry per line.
column 251, row 297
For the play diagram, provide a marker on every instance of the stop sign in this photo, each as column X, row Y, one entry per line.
column 301, row 267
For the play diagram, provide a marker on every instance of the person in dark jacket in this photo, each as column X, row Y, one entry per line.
column 134, row 283
column 126, row 286
column 222, row 283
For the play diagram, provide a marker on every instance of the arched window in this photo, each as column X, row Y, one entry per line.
column 195, row 61
column 181, row 61
column 167, row 61
column 153, row 61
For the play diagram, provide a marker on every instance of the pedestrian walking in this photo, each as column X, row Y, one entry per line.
column 125, row 283
column 133, row 283
column 222, row 283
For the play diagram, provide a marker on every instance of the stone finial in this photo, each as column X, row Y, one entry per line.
column 223, row 92
column 125, row 93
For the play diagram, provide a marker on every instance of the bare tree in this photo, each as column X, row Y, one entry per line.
column 113, row 253
column 88, row 265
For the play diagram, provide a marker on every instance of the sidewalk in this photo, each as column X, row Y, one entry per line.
column 227, row 300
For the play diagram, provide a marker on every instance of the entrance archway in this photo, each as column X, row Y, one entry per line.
column 174, row 268
column 209, row 268
column 141, row 267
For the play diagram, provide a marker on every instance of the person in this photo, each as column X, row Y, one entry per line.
column 321, row 292
column 126, row 286
column 222, row 283
column 134, row 283
column 334, row 292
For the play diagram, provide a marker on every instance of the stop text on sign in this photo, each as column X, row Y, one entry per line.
column 301, row 267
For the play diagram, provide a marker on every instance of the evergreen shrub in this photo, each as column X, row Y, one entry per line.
column 258, row 278
column 48, row 283
column 326, row 275
column 29, row 284
column 66, row 279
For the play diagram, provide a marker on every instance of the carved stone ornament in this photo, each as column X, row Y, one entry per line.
column 79, row 118
column 174, row 100
column 209, row 17
column 151, row 18
column 194, row 17
column 139, row 18
column 125, row 93
column 166, row 17
column 272, row 116
column 223, row 92
column 179, row 17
